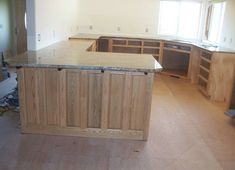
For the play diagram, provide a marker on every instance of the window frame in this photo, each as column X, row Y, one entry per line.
column 177, row 35
column 209, row 20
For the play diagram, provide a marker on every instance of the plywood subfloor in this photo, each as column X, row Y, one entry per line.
column 187, row 132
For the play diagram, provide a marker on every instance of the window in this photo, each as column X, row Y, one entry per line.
column 180, row 18
column 215, row 21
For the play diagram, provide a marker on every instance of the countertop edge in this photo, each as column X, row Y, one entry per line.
column 83, row 67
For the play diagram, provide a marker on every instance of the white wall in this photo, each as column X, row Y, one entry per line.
column 228, row 30
column 132, row 16
column 50, row 21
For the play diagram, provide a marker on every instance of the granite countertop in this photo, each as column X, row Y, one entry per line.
column 201, row 45
column 73, row 54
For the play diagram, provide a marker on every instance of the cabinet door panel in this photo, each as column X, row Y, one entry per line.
column 116, row 100
column 138, row 102
column 73, row 99
column 52, row 96
column 94, row 99
column 31, row 95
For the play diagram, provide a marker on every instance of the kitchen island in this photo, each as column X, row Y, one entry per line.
column 66, row 90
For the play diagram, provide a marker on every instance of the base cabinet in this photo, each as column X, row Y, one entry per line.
column 85, row 102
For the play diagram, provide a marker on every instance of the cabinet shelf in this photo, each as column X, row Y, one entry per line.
column 176, row 50
column 204, row 68
column 205, row 59
column 203, row 78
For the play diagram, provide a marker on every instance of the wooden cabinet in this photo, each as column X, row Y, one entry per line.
column 204, row 72
column 103, row 44
column 85, row 102
column 176, row 59
column 131, row 45
column 231, row 104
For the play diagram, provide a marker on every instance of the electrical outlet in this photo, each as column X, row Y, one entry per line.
column 146, row 30
column 118, row 28
column 77, row 28
column 231, row 40
column 1, row 26
column 39, row 37
column 91, row 27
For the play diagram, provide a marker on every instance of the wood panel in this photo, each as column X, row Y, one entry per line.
column 73, row 98
column 31, row 95
column 116, row 100
column 195, row 62
column 52, row 96
column 221, row 76
column 95, row 99
column 86, row 102
column 138, row 102
column 41, row 96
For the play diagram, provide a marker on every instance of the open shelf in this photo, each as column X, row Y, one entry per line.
column 176, row 73
column 175, row 63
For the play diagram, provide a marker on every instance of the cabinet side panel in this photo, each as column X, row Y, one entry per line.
column 127, row 102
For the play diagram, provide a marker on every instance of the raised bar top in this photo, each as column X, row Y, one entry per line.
column 201, row 45
column 73, row 54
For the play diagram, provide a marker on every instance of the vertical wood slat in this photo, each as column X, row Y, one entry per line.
column 63, row 98
column 73, row 98
column 22, row 101
column 30, row 75
column 148, row 105
column 52, row 96
column 94, row 99
column 127, row 102
column 84, row 99
column 105, row 100
column 41, row 90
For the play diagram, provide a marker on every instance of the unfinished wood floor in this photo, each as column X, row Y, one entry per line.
column 187, row 132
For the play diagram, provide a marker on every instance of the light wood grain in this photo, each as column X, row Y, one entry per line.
column 94, row 99
column 107, row 101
